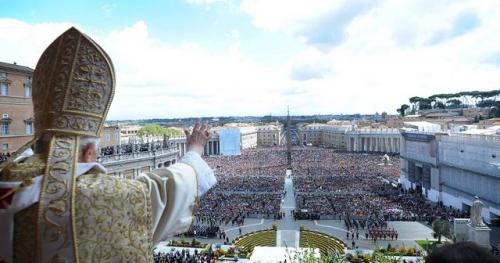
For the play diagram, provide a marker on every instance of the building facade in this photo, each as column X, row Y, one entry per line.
column 110, row 136
column 269, row 135
column 453, row 169
column 16, row 107
column 128, row 133
column 374, row 140
column 350, row 138
column 248, row 137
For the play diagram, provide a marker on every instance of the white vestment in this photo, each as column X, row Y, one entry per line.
column 173, row 192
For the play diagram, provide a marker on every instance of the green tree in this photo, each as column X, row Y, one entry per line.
column 156, row 130
column 402, row 109
column 454, row 103
column 495, row 111
column 439, row 105
column 441, row 228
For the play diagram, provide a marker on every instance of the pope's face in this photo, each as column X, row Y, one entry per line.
column 89, row 154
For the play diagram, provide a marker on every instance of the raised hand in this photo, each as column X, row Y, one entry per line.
column 197, row 139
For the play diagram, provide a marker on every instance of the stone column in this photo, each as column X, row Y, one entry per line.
column 398, row 141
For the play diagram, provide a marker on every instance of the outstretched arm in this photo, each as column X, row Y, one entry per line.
column 175, row 190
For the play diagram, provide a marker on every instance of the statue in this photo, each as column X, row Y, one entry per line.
column 476, row 219
column 57, row 204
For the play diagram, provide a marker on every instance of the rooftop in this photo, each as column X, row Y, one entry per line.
column 15, row 67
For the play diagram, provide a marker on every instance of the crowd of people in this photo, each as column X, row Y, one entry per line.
column 130, row 148
column 183, row 256
column 249, row 185
column 4, row 157
column 361, row 187
column 207, row 231
column 233, row 207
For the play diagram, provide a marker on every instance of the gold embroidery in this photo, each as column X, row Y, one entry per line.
column 55, row 228
column 113, row 219
column 73, row 86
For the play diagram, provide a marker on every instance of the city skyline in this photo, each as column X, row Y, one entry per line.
column 176, row 59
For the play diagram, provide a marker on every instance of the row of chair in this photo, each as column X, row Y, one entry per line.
column 326, row 243
column 264, row 238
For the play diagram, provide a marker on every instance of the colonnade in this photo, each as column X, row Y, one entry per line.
column 212, row 148
column 374, row 144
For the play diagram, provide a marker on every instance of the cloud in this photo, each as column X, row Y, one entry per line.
column 493, row 59
column 293, row 91
column 24, row 43
column 381, row 58
column 328, row 30
column 463, row 24
column 318, row 23
column 154, row 79
column 310, row 64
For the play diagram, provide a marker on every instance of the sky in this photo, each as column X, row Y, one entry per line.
column 190, row 58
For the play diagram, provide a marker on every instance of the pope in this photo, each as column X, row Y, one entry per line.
column 57, row 204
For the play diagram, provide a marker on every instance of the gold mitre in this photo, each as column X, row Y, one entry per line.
column 73, row 86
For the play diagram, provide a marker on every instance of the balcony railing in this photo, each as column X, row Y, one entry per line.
column 135, row 155
column 15, row 100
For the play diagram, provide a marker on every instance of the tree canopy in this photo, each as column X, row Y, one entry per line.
column 157, row 130
column 463, row 99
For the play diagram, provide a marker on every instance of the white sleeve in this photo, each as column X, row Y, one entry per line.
column 204, row 174
column 174, row 193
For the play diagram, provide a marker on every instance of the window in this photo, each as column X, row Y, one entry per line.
column 4, row 89
column 3, row 75
column 5, row 128
column 29, row 127
column 5, row 147
column 27, row 90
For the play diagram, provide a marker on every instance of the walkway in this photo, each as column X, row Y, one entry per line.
column 288, row 231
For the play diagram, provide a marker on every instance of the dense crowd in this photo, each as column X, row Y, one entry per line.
column 357, row 187
column 249, row 185
column 318, row 161
column 183, row 256
column 233, row 207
